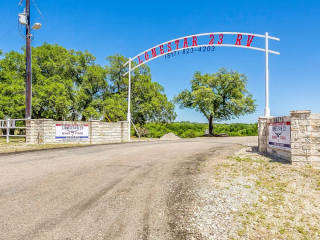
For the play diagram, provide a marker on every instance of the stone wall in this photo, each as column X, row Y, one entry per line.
column 315, row 138
column 305, row 137
column 43, row 131
column 263, row 123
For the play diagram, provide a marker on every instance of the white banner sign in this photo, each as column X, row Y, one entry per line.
column 71, row 131
column 280, row 135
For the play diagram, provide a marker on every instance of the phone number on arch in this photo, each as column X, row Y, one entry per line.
column 190, row 50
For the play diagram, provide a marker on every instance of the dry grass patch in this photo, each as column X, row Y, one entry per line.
column 288, row 202
column 17, row 146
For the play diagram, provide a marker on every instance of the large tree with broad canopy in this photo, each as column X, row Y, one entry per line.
column 219, row 96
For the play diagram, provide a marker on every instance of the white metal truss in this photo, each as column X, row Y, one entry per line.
column 266, row 50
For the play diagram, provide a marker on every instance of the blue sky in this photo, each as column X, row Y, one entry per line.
column 130, row 27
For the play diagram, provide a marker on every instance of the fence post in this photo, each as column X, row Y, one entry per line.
column 8, row 129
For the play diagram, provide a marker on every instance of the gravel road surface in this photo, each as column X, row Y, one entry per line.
column 120, row 191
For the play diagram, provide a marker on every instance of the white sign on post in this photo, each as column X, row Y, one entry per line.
column 280, row 135
column 71, row 131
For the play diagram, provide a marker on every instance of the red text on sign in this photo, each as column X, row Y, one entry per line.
column 221, row 39
column 154, row 52
column 211, row 39
column 169, row 47
column 194, row 41
column 177, row 44
column 161, row 49
column 146, row 56
column 249, row 41
column 185, row 43
column 239, row 38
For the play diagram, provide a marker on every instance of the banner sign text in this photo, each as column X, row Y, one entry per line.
column 280, row 135
column 72, row 131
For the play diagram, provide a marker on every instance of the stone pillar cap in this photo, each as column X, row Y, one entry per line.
column 40, row 119
column 300, row 111
column 265, row 117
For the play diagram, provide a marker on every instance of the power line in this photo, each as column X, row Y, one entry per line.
column 11, row 11
column 42, row 15
column 8, row 32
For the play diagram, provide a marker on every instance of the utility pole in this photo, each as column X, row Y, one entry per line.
column 28, row 63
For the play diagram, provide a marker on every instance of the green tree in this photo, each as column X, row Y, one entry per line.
column 66, row 84
column 148, row 101
column 220, row 96
column 70, row 85
column 12, row 85
column 52, row 83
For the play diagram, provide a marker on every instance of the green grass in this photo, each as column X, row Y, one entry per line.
column 12, row 139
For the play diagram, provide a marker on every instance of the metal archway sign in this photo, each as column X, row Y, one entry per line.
column 216, row 39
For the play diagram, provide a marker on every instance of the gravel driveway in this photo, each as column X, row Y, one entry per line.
column 121, row 191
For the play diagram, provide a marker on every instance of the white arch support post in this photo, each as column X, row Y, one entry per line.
column 267, row 109
column 129, row 102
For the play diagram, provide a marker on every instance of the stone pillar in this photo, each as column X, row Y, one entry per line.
column 36, row 130
column 301, row 137
column 315, row 138
column 124, row 130
column 263, row 123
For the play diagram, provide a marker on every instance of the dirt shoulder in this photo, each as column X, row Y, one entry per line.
column 17, row 145
column 250, row 196
column 189, row 196
column 22, row 147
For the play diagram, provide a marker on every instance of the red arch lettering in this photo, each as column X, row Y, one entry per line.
column 146, row 56
column 194, row 41
column 169, row 47
column 154, row 52
column 185, row 43
column 211, row 39
column 249, row 40
column 221, row 39
column 161, row 49
column 177, row 44
column 239, row 38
